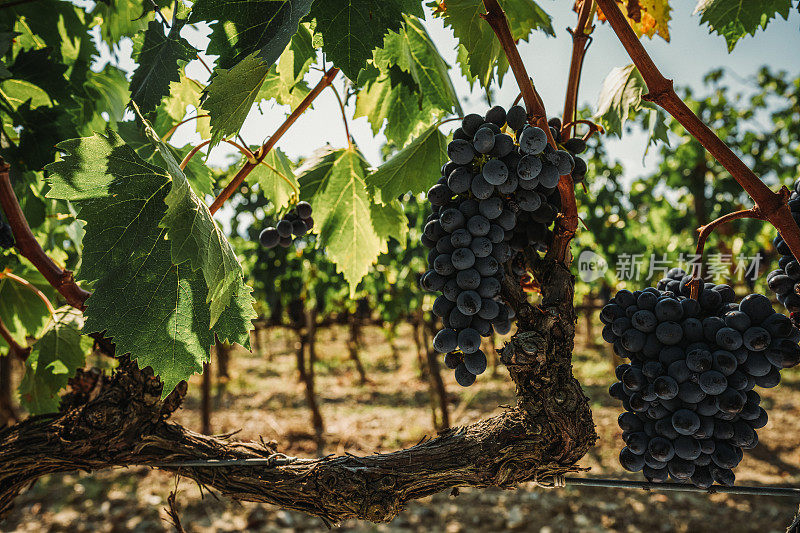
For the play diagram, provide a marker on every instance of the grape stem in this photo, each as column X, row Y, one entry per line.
column 14, row 348
column 344, row 115
column 31, row 287
column 28, row 247
column 771, row 205
column 248, row 167
column 567, row 221
column 445, row 121
column 593, row 128
column 581, row 39
column 251, row 158
column 704, row 232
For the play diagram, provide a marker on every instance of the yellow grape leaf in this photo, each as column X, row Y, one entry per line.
column 646, row 17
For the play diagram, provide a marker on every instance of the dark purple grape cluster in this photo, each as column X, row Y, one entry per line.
column 497, row 195
column 785, row 281
column 6, row 235
column 295, row 223
column 690, row 407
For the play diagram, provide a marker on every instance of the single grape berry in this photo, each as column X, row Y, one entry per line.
column 516, row 117
column 269, row 237
column 460, row 151
column 464, row 377
column 284, row 228
column 445, row 341
column 303, row 209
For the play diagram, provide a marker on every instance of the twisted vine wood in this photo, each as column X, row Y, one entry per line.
column 125, row 424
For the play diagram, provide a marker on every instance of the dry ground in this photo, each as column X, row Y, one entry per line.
column 264, row 398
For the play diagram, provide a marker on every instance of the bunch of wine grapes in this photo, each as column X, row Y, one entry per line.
column 690, row 407
column 497, row 195
column 296, row 223
column 6, row 236
column 785, row 281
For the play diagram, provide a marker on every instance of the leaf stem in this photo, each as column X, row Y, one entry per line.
column 772, row 205
column 344, row 115
column 210, row 72
column 240, row 176
column 704, row 232
column 179, row 124
column 567, row 222
column 14, row 347
column 581, row 39
column 31, row 287
column 283, row 177
column 247, row 153
column 26, row 244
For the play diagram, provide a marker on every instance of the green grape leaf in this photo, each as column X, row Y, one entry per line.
column 159, row 59
column 315, row 172
column 231, row 95
column 196, row 238
column 620, row 97
column 351, row 30
column 285, row 81
column 244, row 27
column 335, row 187
column 655, row 122
column 415, row 168
column 482, row 50
column 199, row 174
column 275, row 177
column 412, row 50
column 53, row 360
column 296, row 60
column 17, row 92
column 42, row 128
column 734, row 19
column 182, row 93
column 42, row 68
column 236, row 322
column 108, row 91
column 91, row 171
column 119, row 18
column 389, row 220
column 21, row 310
column 153, row 309
column 396, row 103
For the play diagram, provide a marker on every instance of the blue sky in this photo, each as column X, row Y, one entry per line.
column 691, row 53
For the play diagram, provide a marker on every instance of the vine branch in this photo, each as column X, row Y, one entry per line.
column 567, row 222
column 581, row 39
column 661, row 92
column 26, row 244
column 124, row 424
column 248, row 167
column 14, row 348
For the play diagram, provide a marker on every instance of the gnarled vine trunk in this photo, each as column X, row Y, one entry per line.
column 546, row 433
